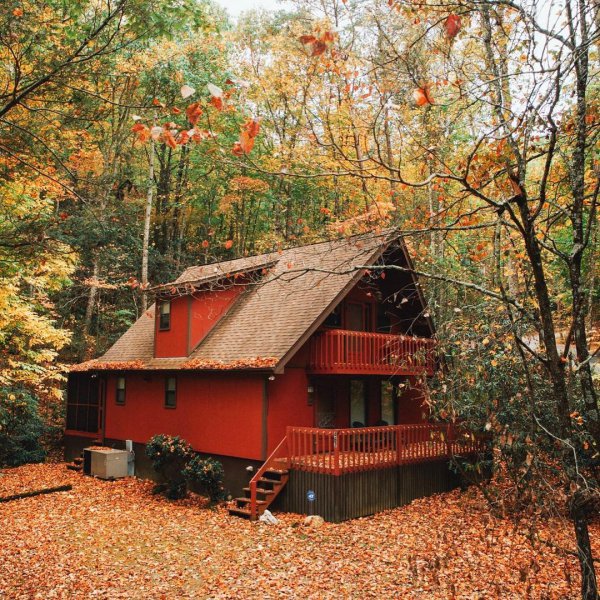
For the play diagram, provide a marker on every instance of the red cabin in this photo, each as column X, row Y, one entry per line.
column 305, row 363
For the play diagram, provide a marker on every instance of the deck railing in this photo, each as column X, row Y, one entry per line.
column 339, row 451
column 351, row 352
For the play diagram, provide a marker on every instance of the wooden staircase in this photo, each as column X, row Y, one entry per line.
column 265, row 486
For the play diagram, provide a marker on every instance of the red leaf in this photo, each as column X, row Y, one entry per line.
column 205, row 244
column 237, row 149
column 307, row 39
column 452, row 25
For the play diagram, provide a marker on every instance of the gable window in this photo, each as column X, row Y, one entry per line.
column 120, row 393
column 164, row 315
column 170, row 392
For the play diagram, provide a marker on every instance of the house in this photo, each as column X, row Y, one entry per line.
column 302, row 367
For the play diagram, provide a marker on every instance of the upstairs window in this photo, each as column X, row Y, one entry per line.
column 170, row 392
column 120, row 393
column 334, row 319
column 164, row 315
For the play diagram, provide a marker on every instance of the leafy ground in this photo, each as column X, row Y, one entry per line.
column 116, row 540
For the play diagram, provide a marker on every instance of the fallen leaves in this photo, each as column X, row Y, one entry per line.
column 116, row 540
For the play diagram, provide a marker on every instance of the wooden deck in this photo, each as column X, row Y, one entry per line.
column 344, row 452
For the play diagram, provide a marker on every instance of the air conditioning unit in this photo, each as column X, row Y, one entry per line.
column 107, row 463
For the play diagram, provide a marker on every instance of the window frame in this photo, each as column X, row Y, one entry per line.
column 120, row 392
column 161, row 325
column 170, row 393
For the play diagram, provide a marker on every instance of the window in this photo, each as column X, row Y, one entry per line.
column 387, row 403
column 358, row 405
column 120, row 393
column 83, row 402
column 170, row 392
column 164, row 315
column 334, row 319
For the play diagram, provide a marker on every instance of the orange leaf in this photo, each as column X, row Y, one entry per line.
column 422, row 96
column 143, row 133
column 307, row 39
column 237, row 149
column 193, row 112
column 205, row 244
column 18, row 12
column 228, row 244
column 217, row 102
column 169, row 139
column 183, row 138
column 319, row 48
column 176, row 111
column 252, row 126
column 246, row 142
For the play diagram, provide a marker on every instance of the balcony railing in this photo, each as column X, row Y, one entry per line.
column 340, row 351
column 339, row 451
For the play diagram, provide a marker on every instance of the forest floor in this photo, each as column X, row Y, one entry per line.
column 117, row 540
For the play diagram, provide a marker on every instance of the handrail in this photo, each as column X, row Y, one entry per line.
column 276, row 458
column 341, row 350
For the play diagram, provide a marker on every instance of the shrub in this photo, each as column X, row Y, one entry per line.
column 169, row 456
column 21, row 428
column 206, row 475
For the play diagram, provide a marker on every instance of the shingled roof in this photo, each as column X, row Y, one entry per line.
column 270, row 321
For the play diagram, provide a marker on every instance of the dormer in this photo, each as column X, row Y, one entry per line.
column 189, row 308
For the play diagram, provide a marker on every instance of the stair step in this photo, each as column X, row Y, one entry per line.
column 240, row 512
column 273, row 481
column 277, row 471
column 260, row 491
column 78, row 461
column 247, row 501
column 74, row 467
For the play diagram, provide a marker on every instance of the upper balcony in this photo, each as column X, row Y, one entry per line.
column 345, row 352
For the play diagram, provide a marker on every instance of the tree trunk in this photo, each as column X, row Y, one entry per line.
column 147, row 219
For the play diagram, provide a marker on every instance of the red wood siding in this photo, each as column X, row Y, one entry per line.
column 207, row 308
column 217, row 414
column 174, row 341
column 288, row 405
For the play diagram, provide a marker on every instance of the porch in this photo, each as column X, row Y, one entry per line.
column 346, row 352
column 357, row 471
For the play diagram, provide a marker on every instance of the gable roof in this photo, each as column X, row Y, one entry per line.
column 270, row 320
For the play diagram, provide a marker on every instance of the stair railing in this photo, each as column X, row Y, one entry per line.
column 279, row 458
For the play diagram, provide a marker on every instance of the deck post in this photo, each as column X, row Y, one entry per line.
column 336, row 453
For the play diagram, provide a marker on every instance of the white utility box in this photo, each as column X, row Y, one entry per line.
column 108, row 463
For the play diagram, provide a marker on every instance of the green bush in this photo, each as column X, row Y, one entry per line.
column 169, row 456
column 21, row 428
column 206, row 475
